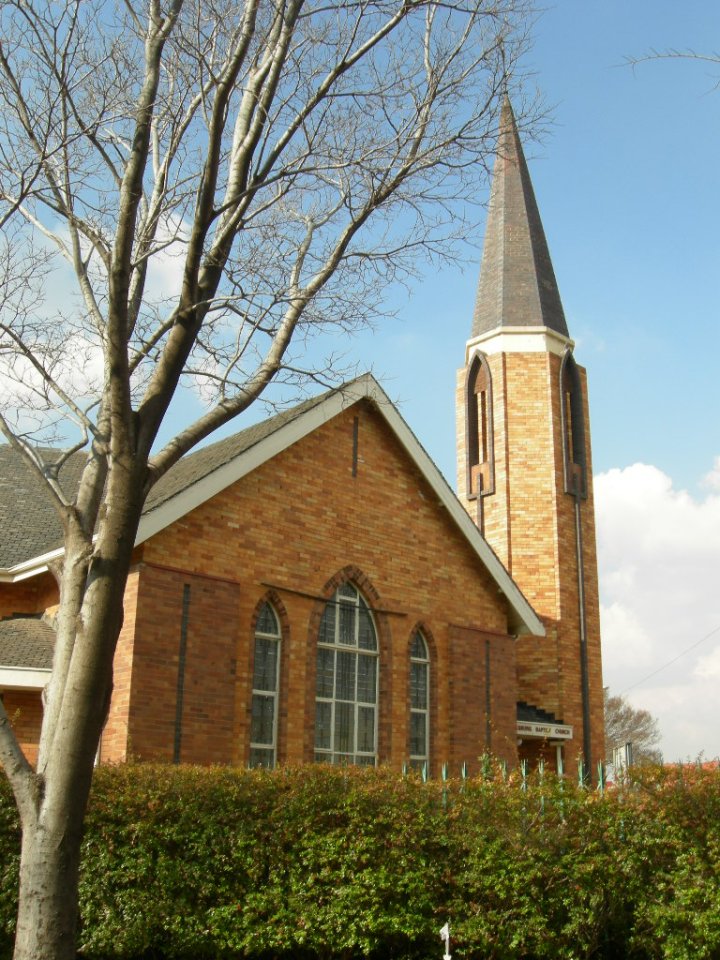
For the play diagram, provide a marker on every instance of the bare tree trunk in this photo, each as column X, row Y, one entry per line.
column 47, row 914
column 52, row 828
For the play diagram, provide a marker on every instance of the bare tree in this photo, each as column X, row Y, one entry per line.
column 627, row 724
column 676, row 54
column 188, row 187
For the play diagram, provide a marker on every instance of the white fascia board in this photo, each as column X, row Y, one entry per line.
column 23, row 678
column 30, row 568
column 259, row 453
column 524, row 619
column 539, row 339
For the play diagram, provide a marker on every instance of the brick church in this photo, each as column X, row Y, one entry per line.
column 311, row 589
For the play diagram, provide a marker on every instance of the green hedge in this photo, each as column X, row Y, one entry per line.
column 317, row 862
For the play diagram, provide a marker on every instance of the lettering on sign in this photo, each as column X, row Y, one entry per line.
column 556, row 731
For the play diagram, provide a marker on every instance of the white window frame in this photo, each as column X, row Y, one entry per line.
column 341, row 598
column 417, row 760
column 268, row 748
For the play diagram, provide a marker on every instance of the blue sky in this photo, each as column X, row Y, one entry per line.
column 628, row 183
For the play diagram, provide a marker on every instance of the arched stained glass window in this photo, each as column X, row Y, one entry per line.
column 419, row 702
column 266, row 671
column 347, row 681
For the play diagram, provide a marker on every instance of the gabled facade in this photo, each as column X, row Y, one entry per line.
column 310, row 589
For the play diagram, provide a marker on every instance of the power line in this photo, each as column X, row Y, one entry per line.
column 674, row 660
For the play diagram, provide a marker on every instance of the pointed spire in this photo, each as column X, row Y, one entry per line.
column 517, row 283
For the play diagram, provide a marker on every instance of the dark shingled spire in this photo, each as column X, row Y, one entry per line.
column 517, row 283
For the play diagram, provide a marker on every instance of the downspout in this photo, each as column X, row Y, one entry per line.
column 584, row 679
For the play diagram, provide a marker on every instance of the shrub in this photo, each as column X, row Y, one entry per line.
column 319, row 862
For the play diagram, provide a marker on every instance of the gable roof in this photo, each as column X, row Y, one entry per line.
column 206, row 472
column 30, row 526
column 201, row 463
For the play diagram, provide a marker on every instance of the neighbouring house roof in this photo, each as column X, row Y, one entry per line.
column 29, row 526
column 26, row 651
column 517, row 285
column 206, row 472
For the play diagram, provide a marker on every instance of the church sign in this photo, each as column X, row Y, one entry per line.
column 555, row 731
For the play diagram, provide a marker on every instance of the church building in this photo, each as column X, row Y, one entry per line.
column 311, row 589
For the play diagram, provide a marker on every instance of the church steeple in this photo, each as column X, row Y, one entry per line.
column 525, row 466
column 517, row 283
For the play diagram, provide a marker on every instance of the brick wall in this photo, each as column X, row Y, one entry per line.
column 24, row 709
column 476, row 682
column 114, row 741
column 184, row 657
column 290, row 532
column 28, row 596
column 530, row 523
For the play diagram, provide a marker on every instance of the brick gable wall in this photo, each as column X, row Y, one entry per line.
column 291, row 531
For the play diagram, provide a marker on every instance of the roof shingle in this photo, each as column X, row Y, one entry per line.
column 26, row 642
column 28, row 521
column 29, row 525
column 517, row 282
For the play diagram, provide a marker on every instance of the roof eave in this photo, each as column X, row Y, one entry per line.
column 23, row 678
column 522, row 619
column 30, row 568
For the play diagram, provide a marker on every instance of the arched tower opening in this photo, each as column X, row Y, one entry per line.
column 573, row 426
column 479, row 429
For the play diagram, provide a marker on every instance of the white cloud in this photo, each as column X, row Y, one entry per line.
column 659, row 561
column 76, row 366
column 165, row 271
column 708, row 667
column 711, row 480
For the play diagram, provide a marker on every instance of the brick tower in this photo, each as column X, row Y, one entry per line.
column 524, row 467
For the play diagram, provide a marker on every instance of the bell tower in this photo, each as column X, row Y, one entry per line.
column 525, row 469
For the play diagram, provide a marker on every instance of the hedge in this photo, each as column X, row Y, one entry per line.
column 320, row 862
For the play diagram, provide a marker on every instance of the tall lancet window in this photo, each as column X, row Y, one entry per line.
column 266, row 672
column 573, row 422
column 419, row 702
column 479, row 429
column 347, row 681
